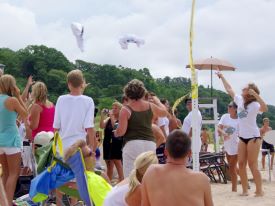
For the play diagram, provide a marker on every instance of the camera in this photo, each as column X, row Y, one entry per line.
column 106, row 111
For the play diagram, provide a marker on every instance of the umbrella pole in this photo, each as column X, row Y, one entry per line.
column 211, row 81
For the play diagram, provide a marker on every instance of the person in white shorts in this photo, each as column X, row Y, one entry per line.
column 11, row 105
column 135, row 124
column 228, row 128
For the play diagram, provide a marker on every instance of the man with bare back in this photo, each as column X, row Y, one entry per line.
column 172, row 183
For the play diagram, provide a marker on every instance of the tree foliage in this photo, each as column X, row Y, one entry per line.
column 106, row 81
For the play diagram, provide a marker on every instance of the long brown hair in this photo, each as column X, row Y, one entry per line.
column 250, row 98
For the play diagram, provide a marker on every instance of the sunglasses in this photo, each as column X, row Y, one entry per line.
column 90, row 153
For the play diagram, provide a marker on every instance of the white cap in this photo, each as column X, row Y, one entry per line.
column 43, row 138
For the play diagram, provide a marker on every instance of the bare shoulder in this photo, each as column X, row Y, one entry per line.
column 11, row 103
column 200, row 177
column 11, row 100
column 154, row 170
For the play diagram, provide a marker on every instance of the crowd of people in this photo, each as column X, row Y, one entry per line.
column 143, row 139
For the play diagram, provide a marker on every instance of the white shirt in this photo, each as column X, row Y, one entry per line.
column 248, row 127
column 73, row 114
column 187, row 122
column 230, row 127
column 116, row 197
column 164, row 121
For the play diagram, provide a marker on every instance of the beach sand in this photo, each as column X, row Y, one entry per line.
column 222, row 195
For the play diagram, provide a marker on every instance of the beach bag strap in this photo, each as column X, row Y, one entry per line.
column 56, row 142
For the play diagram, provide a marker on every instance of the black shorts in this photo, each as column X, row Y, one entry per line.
column 265, row 145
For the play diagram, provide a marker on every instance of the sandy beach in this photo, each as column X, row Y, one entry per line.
column 223, row 196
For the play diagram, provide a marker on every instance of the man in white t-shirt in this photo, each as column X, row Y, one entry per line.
column 187, row 122
column 74, row 113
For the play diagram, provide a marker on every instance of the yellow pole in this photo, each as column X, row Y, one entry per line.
column 194, row 93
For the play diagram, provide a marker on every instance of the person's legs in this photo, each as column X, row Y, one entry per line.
column 14, row 163
column 110, row 168
column 242, row 161
column 5, row 174
column 119, row 169
column 263, row 160
column 4, row 163
column 272, row 160
column 253, row 149
column 232, row 163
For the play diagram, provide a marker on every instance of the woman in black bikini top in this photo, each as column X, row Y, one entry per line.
column 249, row 105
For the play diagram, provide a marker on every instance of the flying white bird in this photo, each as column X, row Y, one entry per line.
column 78, row 31
column 130, row 38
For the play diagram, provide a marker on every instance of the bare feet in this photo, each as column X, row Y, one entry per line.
column 244, row 194
column 259, row 194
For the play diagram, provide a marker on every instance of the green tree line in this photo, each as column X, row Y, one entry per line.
column 106, row 81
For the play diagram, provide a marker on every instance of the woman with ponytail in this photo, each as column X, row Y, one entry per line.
column 127, row 192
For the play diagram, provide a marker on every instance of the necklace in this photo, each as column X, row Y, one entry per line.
column 173, row 163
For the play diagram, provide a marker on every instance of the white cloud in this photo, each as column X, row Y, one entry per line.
column 239, row 31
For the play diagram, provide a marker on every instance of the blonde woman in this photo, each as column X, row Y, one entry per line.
column 250, row 104
column 41, row 111
column 11, row 105
column 112, row 146
column 127, row 192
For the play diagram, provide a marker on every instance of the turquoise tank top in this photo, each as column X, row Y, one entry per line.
column 9, row 135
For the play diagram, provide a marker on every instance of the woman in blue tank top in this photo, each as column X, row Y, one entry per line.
column 11, row 105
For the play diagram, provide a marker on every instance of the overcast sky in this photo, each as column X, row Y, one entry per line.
column 241, row 32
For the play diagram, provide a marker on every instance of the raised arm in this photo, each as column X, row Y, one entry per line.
column 103, row 121
column 263, row 106
column 158, row 109
column 16, row 104
column 226, row 85
column 25, row 93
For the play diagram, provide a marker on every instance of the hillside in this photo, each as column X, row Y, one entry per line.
column 107, row 81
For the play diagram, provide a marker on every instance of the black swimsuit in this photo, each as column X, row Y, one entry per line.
column 247, row 140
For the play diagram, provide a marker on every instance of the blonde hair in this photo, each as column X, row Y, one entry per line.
column 7, row 84
column 40, row 92
column 265, row 119
column 116, row 103
column 75, row 78
column 141, row 164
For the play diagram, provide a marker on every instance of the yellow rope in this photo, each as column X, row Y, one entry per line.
column 194, row 84
column 178, row 101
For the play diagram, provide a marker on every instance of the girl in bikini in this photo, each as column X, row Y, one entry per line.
column 250, row 104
